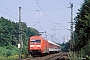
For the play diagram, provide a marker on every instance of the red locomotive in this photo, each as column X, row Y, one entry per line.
column 37, row 45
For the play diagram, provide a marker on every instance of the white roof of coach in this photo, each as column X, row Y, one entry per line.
column 53, row 43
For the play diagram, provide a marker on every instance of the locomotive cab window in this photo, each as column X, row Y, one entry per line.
column 32, row 41
column 38, row 41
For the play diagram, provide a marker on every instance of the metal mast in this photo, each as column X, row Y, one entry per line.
column 71, row 41
column 20, row 33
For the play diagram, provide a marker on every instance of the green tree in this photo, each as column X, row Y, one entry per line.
column 82, row 26
column 9, row 36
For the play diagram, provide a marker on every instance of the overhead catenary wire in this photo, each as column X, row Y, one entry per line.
column 35, row 24
column 40, row 10
column 64, row 17
column 16, row 14
column 32, row 10
column 50, row 19
column 39, row 5
column 6, row 12
column 43, row 12
column 39, row 20
column 54, row 9
column 64, row 27
column 7, row 9
column 28, row 9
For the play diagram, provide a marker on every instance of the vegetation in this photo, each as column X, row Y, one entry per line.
column 82, row 26
column 73, row 56
column 82, row 29
column 82, row 32
column 9, row 37
column 65, row 47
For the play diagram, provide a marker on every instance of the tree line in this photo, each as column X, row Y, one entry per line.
column 81, row 43
column 82, row 28
column 9, row 36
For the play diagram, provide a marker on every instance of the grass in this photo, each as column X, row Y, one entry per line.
column 14, row 57
column 73, row 56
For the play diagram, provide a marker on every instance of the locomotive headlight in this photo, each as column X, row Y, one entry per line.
column 31, row 45
column 38, row 45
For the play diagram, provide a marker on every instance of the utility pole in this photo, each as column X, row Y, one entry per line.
column 71, row 30
column 20, row 34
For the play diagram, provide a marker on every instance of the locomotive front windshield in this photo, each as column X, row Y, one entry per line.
column 36, row 41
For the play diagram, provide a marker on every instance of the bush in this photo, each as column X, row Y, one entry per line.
column 8, row 51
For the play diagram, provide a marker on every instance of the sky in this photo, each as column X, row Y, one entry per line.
column 52, row 16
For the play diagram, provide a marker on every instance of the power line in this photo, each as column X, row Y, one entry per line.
column 8, row 14
column 43, row 12
column 41, row 26
column 16, row 14
column 46, row 16
column 64, row 17
column 28, row 9
column 62, row 27
column 10, row 11
column 49, row 17
column 32, row 10
column 35, row 24
column 39, row 20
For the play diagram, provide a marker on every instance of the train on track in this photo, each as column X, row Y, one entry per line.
column 37, row 45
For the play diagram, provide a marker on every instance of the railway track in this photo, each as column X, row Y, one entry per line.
column 56, row 56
